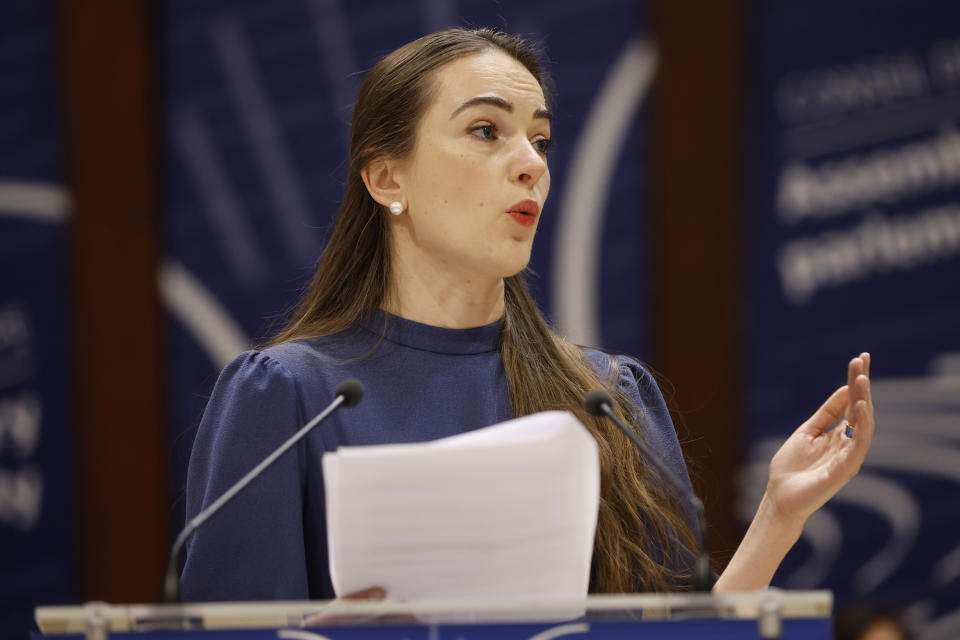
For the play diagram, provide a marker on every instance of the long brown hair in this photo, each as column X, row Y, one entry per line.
column 639, row 526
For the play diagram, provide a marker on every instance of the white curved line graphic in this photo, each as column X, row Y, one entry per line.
column 947, row 568
column 913, row 456
column 577, row 248
column 765, row 449
column 332, row 31
column 923, row 422
column 899, row 509
column 201, row 314
column 265, row 136
column 39, row 201
column 752, row 481
column 825, row 536
column 946, row 627
column 947, row 365
column 926, row 391
column 219, row 201
column 297, row 634
column 562, row 630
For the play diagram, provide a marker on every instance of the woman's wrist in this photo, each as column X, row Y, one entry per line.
column 782, row 525
column 770, row 536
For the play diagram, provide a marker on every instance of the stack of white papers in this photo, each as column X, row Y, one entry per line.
column 505, row 511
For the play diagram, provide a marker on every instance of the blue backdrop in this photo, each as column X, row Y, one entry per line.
column 854, row 197
column 36, row 470
column 855, row 245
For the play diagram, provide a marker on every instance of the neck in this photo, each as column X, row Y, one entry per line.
column 441, row 295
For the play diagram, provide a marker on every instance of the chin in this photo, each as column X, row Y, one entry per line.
column 507, row 262
column 514, row 267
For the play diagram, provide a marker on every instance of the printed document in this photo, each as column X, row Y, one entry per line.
column 501, row 512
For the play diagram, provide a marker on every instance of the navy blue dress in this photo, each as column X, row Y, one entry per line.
column 422, row 382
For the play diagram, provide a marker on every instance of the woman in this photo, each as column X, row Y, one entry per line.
column 420, row 294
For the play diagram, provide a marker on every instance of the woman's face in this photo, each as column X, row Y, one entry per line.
column 477, row 178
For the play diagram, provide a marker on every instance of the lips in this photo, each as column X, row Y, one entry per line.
column 525, row 212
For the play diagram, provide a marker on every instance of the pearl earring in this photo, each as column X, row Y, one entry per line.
column 396, row 208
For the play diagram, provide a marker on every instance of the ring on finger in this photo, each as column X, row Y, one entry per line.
column 849, row 430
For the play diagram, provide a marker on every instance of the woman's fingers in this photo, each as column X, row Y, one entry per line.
column 863, row 414
column 866, row 428
column 828, row 413
column 332, row 617
column 372, row 593
column 854, row 367
column 869, row 386
column 840, row 404
column 864, row 386
column 854, row 371
column 860, row 412
column 856, row 440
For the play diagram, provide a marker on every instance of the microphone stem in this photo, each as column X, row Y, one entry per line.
column 171, row 582
column 703, row 574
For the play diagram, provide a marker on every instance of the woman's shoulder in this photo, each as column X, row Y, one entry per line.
column 296, row 359
column 630, row 375
column 276, row 371
column 297, row 356
column 268, row 361
column 639, row 386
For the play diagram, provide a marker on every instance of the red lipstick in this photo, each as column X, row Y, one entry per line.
column 525, row 212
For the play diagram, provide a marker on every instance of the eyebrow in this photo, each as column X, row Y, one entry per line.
column 499, row 103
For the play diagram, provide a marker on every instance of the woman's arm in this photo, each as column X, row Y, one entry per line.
column 254, row 548
column 811, row 466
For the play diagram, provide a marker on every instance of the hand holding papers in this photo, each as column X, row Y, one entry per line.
column 505, row 511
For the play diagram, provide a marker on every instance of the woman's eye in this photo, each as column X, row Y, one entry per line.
column 543, row 144
column 486, row 131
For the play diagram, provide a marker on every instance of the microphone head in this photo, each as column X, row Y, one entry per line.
column 595, row 400
column 352, row 392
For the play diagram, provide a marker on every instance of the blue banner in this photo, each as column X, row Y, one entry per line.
column 855, row 246
column 257, row 115
column 37, row 561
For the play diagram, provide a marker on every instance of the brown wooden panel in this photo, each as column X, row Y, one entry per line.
column 699, row 240
column 122, row 466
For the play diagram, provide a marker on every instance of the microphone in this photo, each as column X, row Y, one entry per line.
column 599, row 403
column 348, row 394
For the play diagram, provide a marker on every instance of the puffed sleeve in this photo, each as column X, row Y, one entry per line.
column 253, row 549
column 653, row 416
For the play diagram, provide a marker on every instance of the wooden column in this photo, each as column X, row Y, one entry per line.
column 110, row 111
column 700, row 239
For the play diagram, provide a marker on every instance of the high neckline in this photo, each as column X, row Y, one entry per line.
column 426, row 337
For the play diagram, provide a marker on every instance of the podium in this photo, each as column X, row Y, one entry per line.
column 763, row 614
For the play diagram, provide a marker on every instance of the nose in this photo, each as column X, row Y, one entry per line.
column 529, row 164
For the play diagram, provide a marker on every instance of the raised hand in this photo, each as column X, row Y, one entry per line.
column 816, row 461
column 811, row 466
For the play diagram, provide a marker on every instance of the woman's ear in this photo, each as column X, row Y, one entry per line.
column 382, row 181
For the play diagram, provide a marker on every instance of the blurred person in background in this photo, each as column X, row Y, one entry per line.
column 869, row 622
